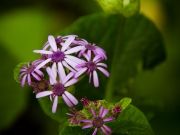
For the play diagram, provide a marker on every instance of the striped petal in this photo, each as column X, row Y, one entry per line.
column 67, row 101
column 95, row 79
column 55, row 103
column 103, row 71
column 67, row 77
column 43, row 94
column 68, row 42
column 42, row 52
column 70, row 82
column 50, row 73
column 71, row 97
column 87, row 126
column 80, row 72
column 42, row 64
column 52, row 43
column 74, row 49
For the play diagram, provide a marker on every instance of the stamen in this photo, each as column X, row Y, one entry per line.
column 98, row 122
column 58, row 56
column 58, row 89
column 91, row 65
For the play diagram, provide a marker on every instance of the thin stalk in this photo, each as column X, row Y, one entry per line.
column 113, row 72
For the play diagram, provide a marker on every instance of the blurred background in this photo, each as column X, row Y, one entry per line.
column 25, row 26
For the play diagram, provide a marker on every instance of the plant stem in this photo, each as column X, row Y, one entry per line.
column 113, row 71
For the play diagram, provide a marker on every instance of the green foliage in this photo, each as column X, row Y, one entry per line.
column 126, row 7
column 130, row 121
column 131, row 45
column 17, row 70
column 139, row 47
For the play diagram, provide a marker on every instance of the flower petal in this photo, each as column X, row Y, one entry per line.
column 67, row 101
column 95, row 131
column 107, row 128
column 71, row 97
column 67, row 77
column 50, row 73
column 97, row 57
column 71, row 82
column 74, row 49
column 68, row 67
column 61, row 70
column 102, row 64
column 109, row 119
column 87, row 121
column 43, row 94
column 80, row 72
column 104, row 131
column 93, row 112
column 103, row 71
column 36, row 77
column 95, row 79
column 87, row 126
column 104, row 113
column 68, row 42
column 29, row 79
column 42, row 52
column 101, row 110
column 23, row 80
column 75, row 59
column 52, row 43
column 42, row 64
column 55, row 103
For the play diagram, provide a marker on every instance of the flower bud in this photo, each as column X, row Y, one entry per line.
column 125, row 7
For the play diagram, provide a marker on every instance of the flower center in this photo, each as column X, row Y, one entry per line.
column 91, row 65
column 58, row 89
column 90, row 47
column 58, row 56
column 30, row 69
column 98, row 122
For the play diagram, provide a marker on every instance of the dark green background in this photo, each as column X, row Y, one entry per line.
column 25, row 25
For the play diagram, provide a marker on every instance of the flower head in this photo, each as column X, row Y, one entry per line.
column 58, row 56
column 91, row 66
column 98, row 121
column 59, row 89
column 27, row 73
column 76, row 116
column 89, row 48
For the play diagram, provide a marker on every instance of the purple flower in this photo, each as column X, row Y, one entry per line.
column 91, row 67
column 98, row 121
column 76, row 116
column 27, row 73
column 59, row 89
column 60, row 57
column 90, row 48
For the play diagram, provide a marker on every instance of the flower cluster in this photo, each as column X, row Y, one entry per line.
column 94, row 115
column 63, row 60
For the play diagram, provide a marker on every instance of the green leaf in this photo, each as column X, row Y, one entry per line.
column 139, row 44
column 62, row 108
column 61, row 111
column 17, row 70
column 131, row 121
column 124, row 102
